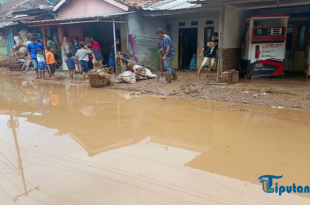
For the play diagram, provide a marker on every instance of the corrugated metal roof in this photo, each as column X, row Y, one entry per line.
column 172, row 5
column 80, row 18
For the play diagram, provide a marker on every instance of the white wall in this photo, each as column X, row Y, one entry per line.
column 234, row 28
column 201, row 25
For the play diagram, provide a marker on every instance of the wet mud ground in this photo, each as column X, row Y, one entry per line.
column 286, row 92
column 289, row 92
column 67, row 143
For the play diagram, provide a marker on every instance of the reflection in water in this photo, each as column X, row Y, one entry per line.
column 70, row 144
column 13, row 124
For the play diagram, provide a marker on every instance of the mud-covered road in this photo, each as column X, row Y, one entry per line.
column 65, row 143
column 275, row 92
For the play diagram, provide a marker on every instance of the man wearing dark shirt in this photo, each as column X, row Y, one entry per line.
column 167, row 52
column 73, row 49
column 112, row 54
column 209, row 51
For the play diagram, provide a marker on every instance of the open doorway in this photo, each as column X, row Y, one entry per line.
column 296, row 43
column 188, row 46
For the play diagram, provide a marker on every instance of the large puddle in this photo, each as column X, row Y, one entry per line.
column 74, row 145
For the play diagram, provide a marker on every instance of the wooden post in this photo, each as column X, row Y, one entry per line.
column 114, row 41
column 221, row 43
column 61, row 35
column 44, row 38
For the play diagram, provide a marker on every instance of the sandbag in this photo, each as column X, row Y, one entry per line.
column 126, row 77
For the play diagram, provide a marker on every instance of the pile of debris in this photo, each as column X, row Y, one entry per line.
column 100, row 78
column 140, row 73
column 19, row 50
column 143, row 73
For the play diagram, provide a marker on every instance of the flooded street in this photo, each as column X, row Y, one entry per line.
column 63, row 144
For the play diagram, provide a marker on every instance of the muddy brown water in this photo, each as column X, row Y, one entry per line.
column 63, row 144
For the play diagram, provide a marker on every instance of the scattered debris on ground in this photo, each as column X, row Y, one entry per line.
column 139, row 73
column 257, row 92
column 285, row 93
column 100, row 78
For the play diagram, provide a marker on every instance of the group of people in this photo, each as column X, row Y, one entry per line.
column 78, row 56
column 209, row 51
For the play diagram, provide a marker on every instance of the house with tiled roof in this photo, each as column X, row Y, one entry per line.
column 105, row 20
column 189, row 23
column 13, row 16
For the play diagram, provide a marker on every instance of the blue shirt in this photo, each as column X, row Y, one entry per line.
column 167, row 42
column 32, row 49
column 70, row 63
column 192, row 64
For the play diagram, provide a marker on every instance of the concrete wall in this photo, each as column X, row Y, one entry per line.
column 233, row 31
column 83, row 8
column 143, row 28
column 201, row 25
column 234, row 28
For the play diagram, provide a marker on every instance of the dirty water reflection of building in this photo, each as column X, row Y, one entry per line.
column 87, row 146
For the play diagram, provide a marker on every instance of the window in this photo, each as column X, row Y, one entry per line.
column 209, row 22
column 181, row 23
column 194, row 23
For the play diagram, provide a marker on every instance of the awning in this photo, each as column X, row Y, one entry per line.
column 6, row 24
column 87, row 19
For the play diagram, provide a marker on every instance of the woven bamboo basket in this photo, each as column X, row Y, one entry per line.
column 99, row 78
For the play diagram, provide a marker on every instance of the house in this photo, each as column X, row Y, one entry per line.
column 14, row 14
column 105, row 19
column 190, row 22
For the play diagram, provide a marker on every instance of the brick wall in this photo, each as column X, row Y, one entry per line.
column 231, row 59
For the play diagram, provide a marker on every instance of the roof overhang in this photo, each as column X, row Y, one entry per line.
column 63, row 3
column 198, row 11
column 7, row 24
column 80, row 20
column 268, row 17
column 252, row 4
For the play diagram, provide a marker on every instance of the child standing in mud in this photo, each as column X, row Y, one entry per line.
column 70, row 64
column 82, row 56
column 41, row 63
column 51, row 62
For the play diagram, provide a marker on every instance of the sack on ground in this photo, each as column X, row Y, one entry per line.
column 126, row 77
column 139, row 70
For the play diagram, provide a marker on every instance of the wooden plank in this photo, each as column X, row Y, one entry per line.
column 221, row 46
column 44, row 38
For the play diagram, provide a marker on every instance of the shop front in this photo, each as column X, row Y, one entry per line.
column 106, row 29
